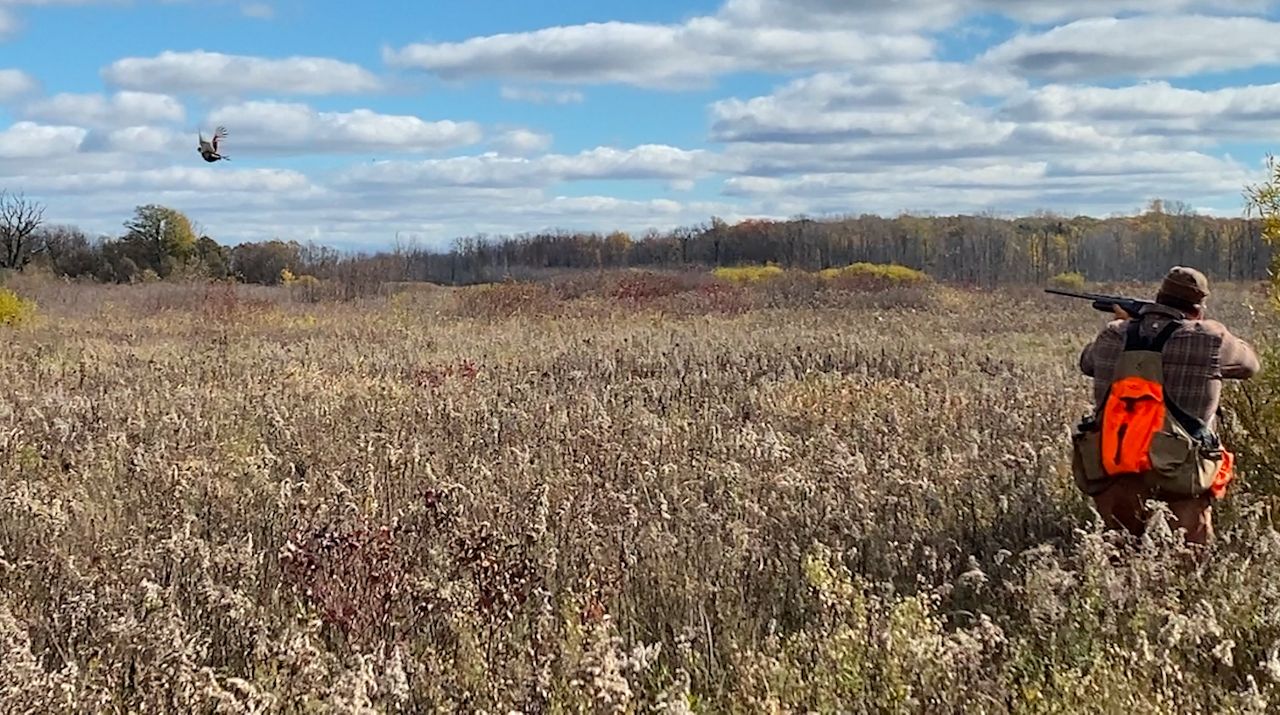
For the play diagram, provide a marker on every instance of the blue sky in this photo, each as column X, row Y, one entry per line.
column 352, row 122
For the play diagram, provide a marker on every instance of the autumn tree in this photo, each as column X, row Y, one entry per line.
column 160, row 238
column 19, row 219
column 1263, row 200
column 215, row 259
column 68, row 251
column 264, row 262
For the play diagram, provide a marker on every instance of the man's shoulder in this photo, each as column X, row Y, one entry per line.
column 1206, row 326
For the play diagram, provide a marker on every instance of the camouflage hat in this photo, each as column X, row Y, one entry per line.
column 1184, row 285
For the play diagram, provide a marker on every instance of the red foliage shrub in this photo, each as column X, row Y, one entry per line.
column 351, row 576
column 505, row 300
column 436, row 375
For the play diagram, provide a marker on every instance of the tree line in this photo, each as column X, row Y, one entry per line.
column 975, row 250
column 159, row 243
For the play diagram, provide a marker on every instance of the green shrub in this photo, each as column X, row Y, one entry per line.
column 15, row 311
column 1252, row 427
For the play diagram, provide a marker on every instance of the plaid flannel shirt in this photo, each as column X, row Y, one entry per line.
column 1197, row 358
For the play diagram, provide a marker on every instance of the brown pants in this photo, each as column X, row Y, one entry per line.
column 1123, row 505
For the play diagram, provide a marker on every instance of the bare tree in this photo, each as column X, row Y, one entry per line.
column 19, row 219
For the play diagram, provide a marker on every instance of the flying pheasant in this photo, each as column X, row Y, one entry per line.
column 210, row 150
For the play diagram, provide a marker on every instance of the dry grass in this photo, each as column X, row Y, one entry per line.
column 219, row 500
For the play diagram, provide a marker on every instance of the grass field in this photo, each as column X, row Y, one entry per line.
column 728, row 499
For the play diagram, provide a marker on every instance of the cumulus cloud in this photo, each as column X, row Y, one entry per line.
column 883, row 15
column 652, row 55
column 1087, row 184
column 297, row 128
column 1158, row 108
column 15, row 83
column 354, row 217
column 897, row 100
column 1143, row 46
column 28, row 140
column 214, row 73
column 122, row 108
column 1042, row 11
column 138, row 140
column 912, row 15
column 522, row 141
column 942, row 136
column 494, row 170
column 172, row 179
column 867, row 118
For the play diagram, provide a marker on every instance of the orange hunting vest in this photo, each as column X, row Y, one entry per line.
column 1139, row 431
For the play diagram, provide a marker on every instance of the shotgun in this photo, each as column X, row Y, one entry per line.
column 1107, row 303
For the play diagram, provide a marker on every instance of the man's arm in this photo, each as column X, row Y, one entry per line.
column 1237, row 359
column 1089, row 355
column 1086, row 359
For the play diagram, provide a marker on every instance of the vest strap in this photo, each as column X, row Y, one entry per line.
column 1134, row 340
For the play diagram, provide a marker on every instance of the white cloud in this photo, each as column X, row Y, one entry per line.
column 28, row 140
column 15, row 83
column 1086, row 184
column 8, row 24
column 1043, row 11
column 121, row 109
column 881, row 15
column 139, row 140
column 258, row 10
column 1157, row 108
column 214, row 73
column 522, row 141
column 297, row 128
column 912, row 15
column 865, row 118
column 172, row 179
column 896, row 100
column 493, row 170
column 1144, row 46
column 360, row 218
column 652, row 55
column 541, row 96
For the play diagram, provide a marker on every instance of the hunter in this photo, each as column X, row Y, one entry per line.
column 1157, row 381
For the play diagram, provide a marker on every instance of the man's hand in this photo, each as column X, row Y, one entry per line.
column 1120, row 313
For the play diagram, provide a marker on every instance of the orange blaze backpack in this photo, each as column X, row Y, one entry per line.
column 1138, row 430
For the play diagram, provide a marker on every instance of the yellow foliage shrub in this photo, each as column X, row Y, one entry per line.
column 1068, row 281
column 15, row 311
column 889, row 273
column 749, row 274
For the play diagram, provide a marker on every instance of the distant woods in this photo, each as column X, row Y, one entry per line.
column 160, row 243
column 977, row 250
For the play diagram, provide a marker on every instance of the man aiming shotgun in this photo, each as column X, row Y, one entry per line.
column 1120, row 305
column 1157, row 380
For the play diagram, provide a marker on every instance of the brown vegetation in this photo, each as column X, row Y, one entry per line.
column 630, row 493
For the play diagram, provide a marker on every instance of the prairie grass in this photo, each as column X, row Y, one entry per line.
column 623, row 499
